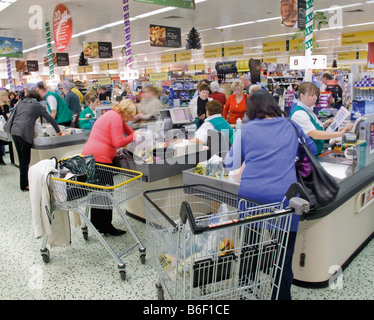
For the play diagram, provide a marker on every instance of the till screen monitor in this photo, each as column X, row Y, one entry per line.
column 181, row 115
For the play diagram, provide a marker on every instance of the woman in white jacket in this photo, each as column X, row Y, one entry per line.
column 197, row 105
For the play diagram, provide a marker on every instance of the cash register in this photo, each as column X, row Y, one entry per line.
column 178, row 118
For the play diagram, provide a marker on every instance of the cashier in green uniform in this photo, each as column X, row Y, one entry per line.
column 56, row 106
column 303, row 115
column 215, row 121
column 88, row 113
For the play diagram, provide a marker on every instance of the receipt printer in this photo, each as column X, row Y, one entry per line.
column 349, row 137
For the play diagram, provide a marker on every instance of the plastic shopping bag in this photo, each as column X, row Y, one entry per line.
column 219, row 242
column 82, row 166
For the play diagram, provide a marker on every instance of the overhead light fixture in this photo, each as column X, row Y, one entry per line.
column 341, row 7
column 235, row 25
column 360, row 24
column 6, row 3
column 268, row 19
column 109, row 25
column 36, row 47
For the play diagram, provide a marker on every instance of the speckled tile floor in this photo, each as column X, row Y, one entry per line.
column 86, row 271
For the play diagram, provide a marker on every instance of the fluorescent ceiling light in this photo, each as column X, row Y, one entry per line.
column 152, row 13
column 36, row 47
column 6, row 3
column 268, row 19
column 322, row 40
column 166, row 9
column 110, row 25
column 276, row 18
column 359, row 24
column 341, row 7
column 235, row 25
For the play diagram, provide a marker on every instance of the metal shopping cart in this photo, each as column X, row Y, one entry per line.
column 206, row 243
column 112, row 188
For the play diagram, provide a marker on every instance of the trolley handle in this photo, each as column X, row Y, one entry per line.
column 298, row 206
column 186, row 213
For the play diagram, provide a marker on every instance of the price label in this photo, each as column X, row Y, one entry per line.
column 308, row 62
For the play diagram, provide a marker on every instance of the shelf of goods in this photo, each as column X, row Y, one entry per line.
column 183, row 90
column 363, row 103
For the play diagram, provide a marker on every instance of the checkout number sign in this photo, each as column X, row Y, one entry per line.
column 308, row 62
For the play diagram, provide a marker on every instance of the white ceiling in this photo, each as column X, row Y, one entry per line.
column 207, row 18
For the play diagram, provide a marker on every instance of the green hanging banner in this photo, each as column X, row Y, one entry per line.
column 49, row 50
column 185, row 4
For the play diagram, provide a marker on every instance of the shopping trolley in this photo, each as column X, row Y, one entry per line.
column 206, row 243
column 113, row 187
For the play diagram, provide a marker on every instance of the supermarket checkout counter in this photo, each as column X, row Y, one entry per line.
column 164, row 172
column 337, row 232
column 46, row 147
column 160, row 159
column 47, row 144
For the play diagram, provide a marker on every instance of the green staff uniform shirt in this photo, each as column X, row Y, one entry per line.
column 308, row 121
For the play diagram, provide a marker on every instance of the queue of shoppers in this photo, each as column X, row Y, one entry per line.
column 266, row 146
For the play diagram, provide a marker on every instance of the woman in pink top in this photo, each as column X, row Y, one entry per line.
column 109, row 133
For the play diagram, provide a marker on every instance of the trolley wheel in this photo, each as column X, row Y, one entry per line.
column 85, row 233
column 122, row 273
column 142, row 258
column 45, row 255
column 160, row 291
column 142, row 255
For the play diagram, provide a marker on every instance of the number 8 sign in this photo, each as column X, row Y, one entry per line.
column 297, row 63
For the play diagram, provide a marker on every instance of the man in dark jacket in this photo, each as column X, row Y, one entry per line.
column 27, row 112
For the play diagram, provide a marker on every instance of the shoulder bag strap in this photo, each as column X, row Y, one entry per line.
column 301, row 138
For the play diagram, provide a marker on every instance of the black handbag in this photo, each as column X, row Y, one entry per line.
column 320, row 188
column 8, row 125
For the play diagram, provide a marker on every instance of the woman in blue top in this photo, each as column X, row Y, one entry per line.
column 268, row 145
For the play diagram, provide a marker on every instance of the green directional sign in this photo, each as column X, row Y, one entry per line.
column 186, row 4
